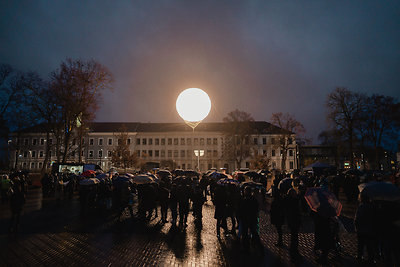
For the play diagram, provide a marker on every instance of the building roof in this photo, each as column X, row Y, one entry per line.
column 259, row 127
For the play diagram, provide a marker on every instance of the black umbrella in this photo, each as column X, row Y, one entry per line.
column 285, row 184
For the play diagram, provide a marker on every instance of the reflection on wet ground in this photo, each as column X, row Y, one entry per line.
column 55, row 234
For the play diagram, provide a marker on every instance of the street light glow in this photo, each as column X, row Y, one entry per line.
column 193, row 105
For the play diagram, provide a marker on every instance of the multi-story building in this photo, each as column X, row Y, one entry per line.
column 159, row 144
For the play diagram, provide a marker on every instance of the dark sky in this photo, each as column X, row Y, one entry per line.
column 257, row 56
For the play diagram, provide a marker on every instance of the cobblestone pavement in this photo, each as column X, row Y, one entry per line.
column 52, row 234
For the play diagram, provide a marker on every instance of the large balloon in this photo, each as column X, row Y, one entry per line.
column 193, row 105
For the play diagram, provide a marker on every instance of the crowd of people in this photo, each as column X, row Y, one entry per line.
column 237, row 202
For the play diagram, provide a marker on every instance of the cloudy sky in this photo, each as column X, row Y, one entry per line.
column 258, row 56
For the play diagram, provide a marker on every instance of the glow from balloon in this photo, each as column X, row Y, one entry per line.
column 193, row 105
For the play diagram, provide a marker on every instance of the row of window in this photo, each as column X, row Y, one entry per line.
column 174, row 153
column 157, row 141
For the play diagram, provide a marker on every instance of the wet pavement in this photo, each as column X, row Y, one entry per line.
column 54, row 233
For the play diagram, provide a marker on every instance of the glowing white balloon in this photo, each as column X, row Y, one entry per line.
column 193, row 105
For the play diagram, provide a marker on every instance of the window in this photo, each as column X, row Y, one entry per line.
column 291, row 165
column 273, row 141
column 182, row 141
column 208, row 153
column 25, row 154
column 182, row 153
column 169, row 153
column 83, row 141
column 208, row 141
column 144, row 153
column 290, row 141
column 157, row 141
column 50, row 141
column 291, row 154
column 183, row 166
column 264, row 140
column 32, row 165
column 138, row 141
column 41, row 141
column 265, row 152
column 273, row 152
column 128, row 141
column 215, row 153
column 91, row 153
column 162, row 153
column 34, row 141
column 41, row 154
column 100, row 141
column 109, row 153
column 150, row 141
column 202, row 141
column 273, row 165
column 40, row 165
column 188, row 141
column 138, row 153
column 157, row 153
column 26, row 141
column 255, row 141
column 91, row 141
column 144, row 141
column 215, row 141
column 119, row 141
column 50, row 153
column 150, row 153
column 163, row 141
column 175, row 141
column 110, row 141
column 33, row 154
column 100, row 153
column 170, row 141
column 196, row 141
column 176, row 153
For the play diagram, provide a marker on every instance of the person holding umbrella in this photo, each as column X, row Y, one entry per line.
column 293, row 217
column 365, row 226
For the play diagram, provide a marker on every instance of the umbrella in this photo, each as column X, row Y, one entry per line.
column 252, row 185
column 380, row 191
column 218, row 175
column 191, row 173
column 164, row 174
column 285, row 184
column 121, row 180
column 88, row 173
column 102, row 176
column 142, row 179
column 89, row 181
column 252, row 174
column 227, row 181
column 323, row 201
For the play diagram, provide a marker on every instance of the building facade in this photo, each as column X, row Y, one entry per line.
column 159, row 144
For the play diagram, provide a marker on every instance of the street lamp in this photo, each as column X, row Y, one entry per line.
column 199, row 153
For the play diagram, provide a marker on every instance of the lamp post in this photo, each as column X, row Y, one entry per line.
column 199, row 153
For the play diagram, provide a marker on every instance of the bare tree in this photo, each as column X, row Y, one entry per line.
column 290, row 128
column 260, row 162
column 237, row 134
column 345, row 109
column 379, row 122
column 78, row 87
column 121, row 156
